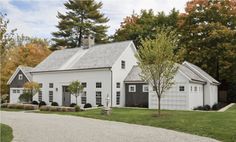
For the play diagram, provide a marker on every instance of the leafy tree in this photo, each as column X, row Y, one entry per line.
column 156, row 59
column 76, row 88
column 208, row 33
column 82, row 17
column 144, row 25
column 31, row 89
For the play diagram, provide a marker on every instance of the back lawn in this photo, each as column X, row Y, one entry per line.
column 6, row 133
column 217, row 125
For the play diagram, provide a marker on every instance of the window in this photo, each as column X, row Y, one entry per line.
column 118, row 98
column 99, row 85
column 123, row 64
column 40, row 85
column 18, row 91
column 181, row 88
column 132, row 88
column 14, row 91
column 195, row 88
column 40, row 96
column 118, row 85
column 50, row 96
column 84, row 84
column 98, row 98
column 50, row 85
column 20, row 76
column 83, row 98
column 145, row 88
column 191, row 88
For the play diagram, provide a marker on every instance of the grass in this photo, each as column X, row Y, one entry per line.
column 217, row 125
column 6, row 133
column 10, row 109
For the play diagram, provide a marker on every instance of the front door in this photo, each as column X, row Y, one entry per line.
column 66, row 96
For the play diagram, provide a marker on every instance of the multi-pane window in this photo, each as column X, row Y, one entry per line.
column 18, row 91
column 14, row 91
column 98, row 98
column 181, row 88
column 40, row 85
column 118, row 98
column 40, row 96
column 145, row 88
column 84, row 84
column 118, row 85
column 99, row 85
column 123, row 64
column 50, row 96
column 50, row 85
column 83, row 98
column 132, row 88
column 20, row 76
column 195, row 88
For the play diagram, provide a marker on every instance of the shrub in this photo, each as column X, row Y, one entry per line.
column 88, row 105
column 54, row 104
column 57, row 108
column 72, row 105
column 54, row 108
column 198, row 108
column 100, row 105
column 42, row 103
column 25, row 97
column 30, row 107
column 217, row 106
column 77, row 108
column 19, row 106
column 44, row 108
column 4, row 105
column 34, row 103
column 206, row 107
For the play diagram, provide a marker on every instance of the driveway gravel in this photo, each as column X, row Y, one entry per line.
column 35, row 127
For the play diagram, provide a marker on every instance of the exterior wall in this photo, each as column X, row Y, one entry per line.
column 119, row 74
column 213, row 94
column 14, row 97
column 16, row 83
column 137, row 98
column 195, row 96
column 63, row 78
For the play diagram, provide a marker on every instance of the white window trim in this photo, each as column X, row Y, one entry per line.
column 144, row 86
column 130, row 86
column 181, row 86
column 20, row 77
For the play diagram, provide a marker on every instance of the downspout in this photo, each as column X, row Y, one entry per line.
column 203, row 94
column 111, row 84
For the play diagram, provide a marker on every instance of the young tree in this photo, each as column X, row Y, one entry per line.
column 157, row 61
column 82, row 17
column 76, row 88
column 32, row 88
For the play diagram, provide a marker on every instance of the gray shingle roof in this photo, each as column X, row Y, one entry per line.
column 98, row 56
column 26, row 71
column 202, row 74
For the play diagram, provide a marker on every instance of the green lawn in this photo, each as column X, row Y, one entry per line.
column 217, row 125
column 6, row 133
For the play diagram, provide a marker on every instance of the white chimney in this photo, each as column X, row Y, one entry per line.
column 88, row 41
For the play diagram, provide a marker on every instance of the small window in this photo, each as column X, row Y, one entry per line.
column 40, row 85
column 191, row 88
column 181, row 88
column 50, row 85
column 118, row 98
column 18, row 91
column 123, row 64
column 20, row 76
column 14, row 91
column 40, row 96
column 195, row 88
column 118, row 85
column 83, row 98
column 145, row 88
column 50, row 96
column 84, row 84
column 132, row 88
column 98, row 98
column 99, row 85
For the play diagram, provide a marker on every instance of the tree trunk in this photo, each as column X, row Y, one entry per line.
column 76, row 99
column 159, row 105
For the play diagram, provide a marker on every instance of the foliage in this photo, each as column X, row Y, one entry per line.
column 87, row 105
column 57, row 109
column 42, row 103
column 82, row 18
column 77, row 108
column 76, row 88
column 72, row 105
column 144, row 25
column 54, row 104
column 157, row 61
column 208, row 34
column 34, row 103
column 6, row 133
column 25, row 97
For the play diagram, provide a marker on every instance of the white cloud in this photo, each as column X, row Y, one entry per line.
column 41, row 21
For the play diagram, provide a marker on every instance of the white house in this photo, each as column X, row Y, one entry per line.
column 110, row 70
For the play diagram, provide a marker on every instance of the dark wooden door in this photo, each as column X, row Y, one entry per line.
column 66, row 96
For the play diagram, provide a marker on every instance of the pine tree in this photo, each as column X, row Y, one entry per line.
column 82, row 18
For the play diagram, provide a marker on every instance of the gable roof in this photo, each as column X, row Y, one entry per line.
column 26, row 71
column 200, row 72
column 98, row 56
column 134, row 74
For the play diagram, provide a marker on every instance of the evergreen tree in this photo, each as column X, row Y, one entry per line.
column 82, row 17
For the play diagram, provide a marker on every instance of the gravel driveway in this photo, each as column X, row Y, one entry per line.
column 34, row 127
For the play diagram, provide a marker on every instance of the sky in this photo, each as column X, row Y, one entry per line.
column 38, row 18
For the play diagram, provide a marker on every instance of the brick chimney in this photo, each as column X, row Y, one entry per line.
column 88, row 41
